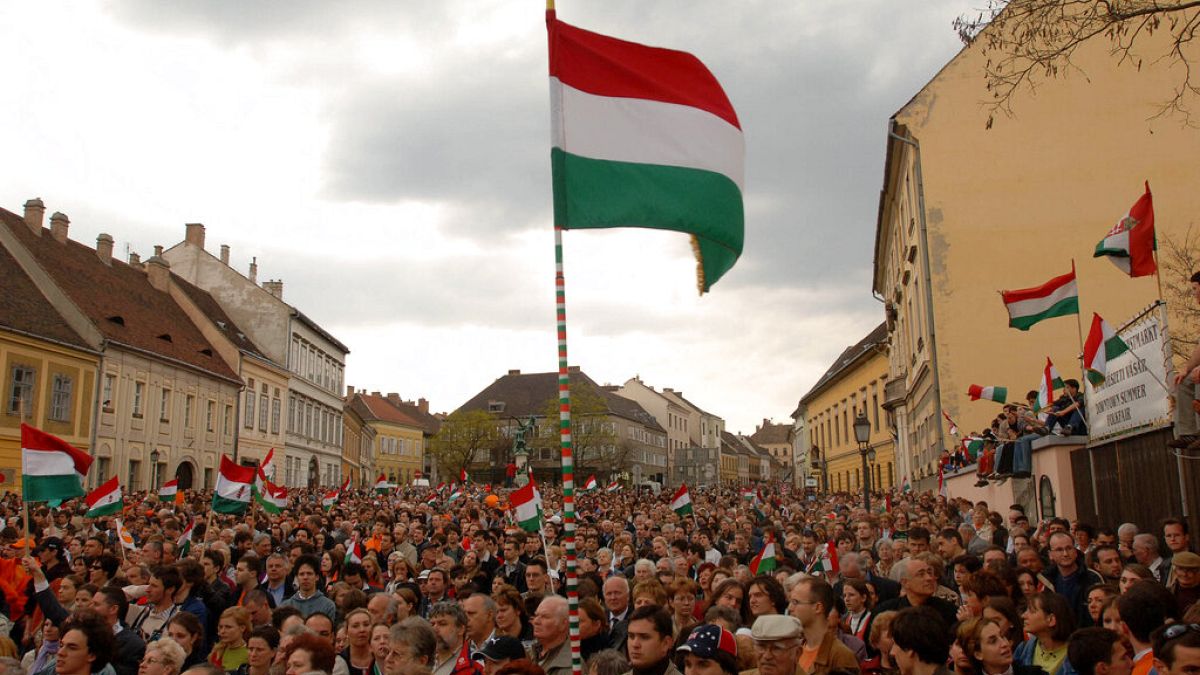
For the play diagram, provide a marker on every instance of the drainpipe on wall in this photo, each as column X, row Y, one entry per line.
column 937, row 378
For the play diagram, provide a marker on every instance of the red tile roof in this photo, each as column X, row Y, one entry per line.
column 120, row 301
column 378, row 408
column 23, row 307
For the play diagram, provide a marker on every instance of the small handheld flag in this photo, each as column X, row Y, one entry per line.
column 682, row 502
column 169, row 489
column 590, row 483
column 997, row 394
column 105, row 500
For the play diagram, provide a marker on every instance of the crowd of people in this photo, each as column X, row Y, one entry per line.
column 779, row 583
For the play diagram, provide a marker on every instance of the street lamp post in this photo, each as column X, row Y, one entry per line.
column 153, row 470
column 862, row 434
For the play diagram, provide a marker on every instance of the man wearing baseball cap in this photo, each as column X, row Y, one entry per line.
column 709, row 647
column 497, row 652
column 776, row 644
column 50, row 555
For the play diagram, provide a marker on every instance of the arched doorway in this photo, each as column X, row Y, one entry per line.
column 185, row 473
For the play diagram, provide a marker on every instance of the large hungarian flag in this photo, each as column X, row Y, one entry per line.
column 681, row 503
column 1057, row 297
column 527, row 507
column 235, row 483
column 997, row 394
column 1130, row 243
column 764, row 562
column 644, row 137
column 169, row 489
column 1050, row 382
column 105, row 500
column 1102, row 345
column 51, row 468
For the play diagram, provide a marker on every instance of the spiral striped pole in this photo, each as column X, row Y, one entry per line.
column 568, row 461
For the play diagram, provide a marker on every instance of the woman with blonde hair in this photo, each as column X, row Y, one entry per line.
column 164, row 656
column 232, row 630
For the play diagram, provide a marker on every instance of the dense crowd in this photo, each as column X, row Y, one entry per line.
column 765, row 583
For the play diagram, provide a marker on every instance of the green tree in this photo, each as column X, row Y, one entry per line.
column 1028, row 41
column 596, row 445
column 462, row 436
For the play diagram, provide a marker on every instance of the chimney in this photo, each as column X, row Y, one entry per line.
column 104, row 244
column 159, row 270
column 254, row 270
column 573, row 369
column 514, row 371
column 394, row 398
column 274, row 287
column 423, row 405
column 349, row 391
column 59, row 224
column 225, row 254
column 135, row 261
column 375, row 393
column 194, row 234
column 35, row 213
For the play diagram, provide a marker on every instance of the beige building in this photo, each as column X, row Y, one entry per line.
column 854, row 384
column 398, row 449
column 776, row 440
column 310, row 404
column 167, row 398
column 966, row 211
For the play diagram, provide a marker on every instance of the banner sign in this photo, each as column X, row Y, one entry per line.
column 1132, row 399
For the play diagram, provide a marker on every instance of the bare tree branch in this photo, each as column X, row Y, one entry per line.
column 1028, row 41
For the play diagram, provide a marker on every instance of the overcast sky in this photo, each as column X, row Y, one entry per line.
column 389, row 161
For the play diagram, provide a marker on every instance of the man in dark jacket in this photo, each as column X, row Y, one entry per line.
column 1070, row 579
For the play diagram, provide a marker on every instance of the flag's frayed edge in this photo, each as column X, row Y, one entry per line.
column 699, row 263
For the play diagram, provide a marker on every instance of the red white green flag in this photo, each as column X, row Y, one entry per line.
column 953, row 426
column 764, row 562
column 235, row 484
column 1050, row 382
column 997, row 394
column 382, row 485
column 613, row 486
column 590, row 483
column 1102, row 346
column 681, row 503
column 105, row 500
column 527, row 507
column 169, row 489
column 185, row 540
column 355, row 552
column 51, row 468
column 1130, row 243
column 1028, row 306
column 644, row 137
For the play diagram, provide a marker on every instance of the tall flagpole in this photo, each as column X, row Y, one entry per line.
column 564, row 420
column 568, row 462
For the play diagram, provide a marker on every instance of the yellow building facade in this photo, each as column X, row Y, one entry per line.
column 854, row 383
column 967, row 210
column 398, row 447
column 54, row 386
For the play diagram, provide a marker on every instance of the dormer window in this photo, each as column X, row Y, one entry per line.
column 165, row 337
column 495, row 406
column 206, row 351
column 119, row 320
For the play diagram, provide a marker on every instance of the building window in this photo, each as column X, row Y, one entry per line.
column 20, row 400
column 103, row 467
column 210, row 417
column 227, row 422
column 135, row 475
column 263, row 410
column 208, row 479
column 276, row 412
column 139, row 393
column 164, row 406
column 189, row 405
column 60, row 399
column 248, row 413
column 110, row 385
